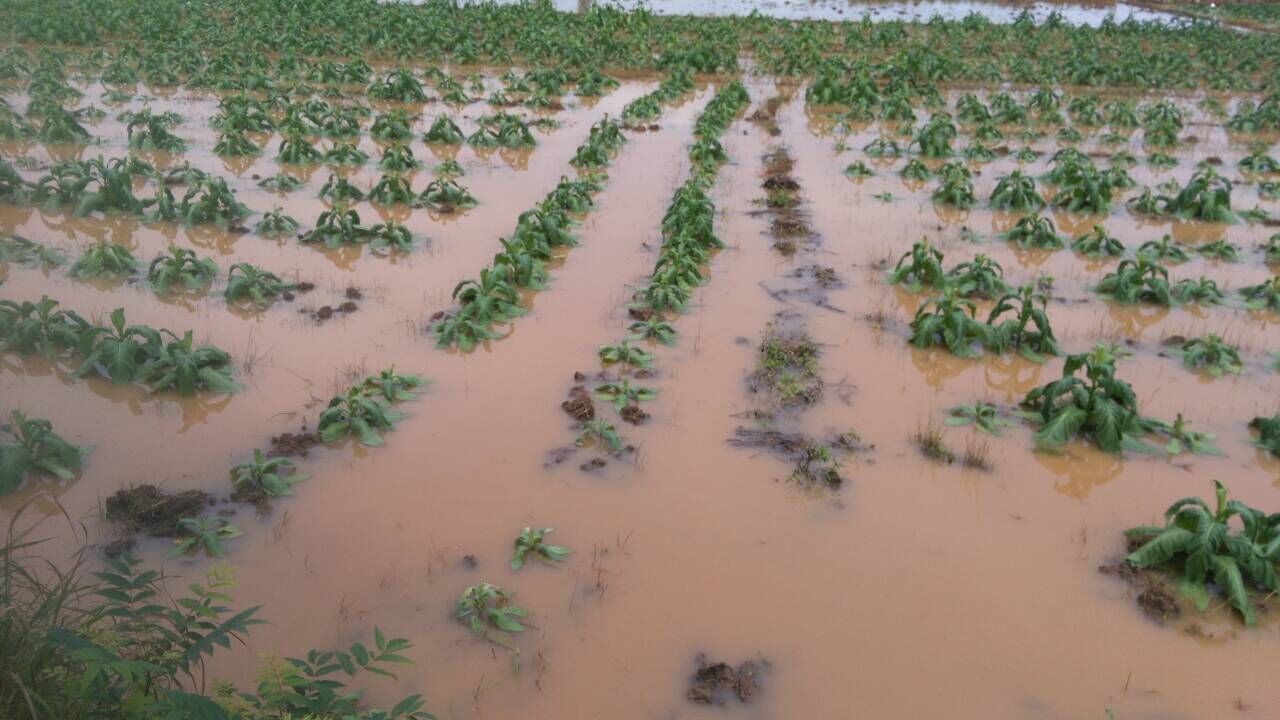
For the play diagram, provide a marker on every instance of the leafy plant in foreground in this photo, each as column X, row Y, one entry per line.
column 919, row 267
column 622, row 394
column 1028, row 331
column 358, row 414
column 1137, row 281
column 36, row 449
column 1206, row 545
column 1098, row 243
column 486, row 607
column 949, row 320
column 530, row 541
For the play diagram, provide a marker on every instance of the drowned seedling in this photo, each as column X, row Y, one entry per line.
column 530, row 542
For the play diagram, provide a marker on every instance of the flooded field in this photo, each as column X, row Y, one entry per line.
column 737, row 416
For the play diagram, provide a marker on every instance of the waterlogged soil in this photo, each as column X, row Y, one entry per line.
column 928, row 590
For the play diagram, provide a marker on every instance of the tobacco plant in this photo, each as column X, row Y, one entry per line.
column 602, row 431
column 274, row 477
column 247, row 283
column 1211, row 354
column 1034, row 231
column 1263, row 296
column 1028, row 331
column 486, row 607
column 1202, row 542
column 1183, row 439
column 1162, row 250
column 1268, row 433
column 626, row 354
column 1135, row 281
column 35, row 450
column 531, row 542
column 622, row 393
column 979, row 277
column 358, row 414
column 40, row 328
column 1016, row 192
column 949, row 320
column 203, row 533
column 1202, row 290
column 919, row 267
column 179, row 365
column 982, row 415
column 1098, row 243
column 103, row 259
column 276, row 224
column 1098, row 407
column 182, row 268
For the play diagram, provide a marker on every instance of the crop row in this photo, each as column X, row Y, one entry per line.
column 688, row 241
column 237, row 48
column 493, row 297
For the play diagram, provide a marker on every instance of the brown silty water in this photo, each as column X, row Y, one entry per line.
column 916, row 590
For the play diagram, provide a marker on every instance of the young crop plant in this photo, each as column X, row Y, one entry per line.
column 398, row 85
column 212, row 202
column 1206, row 197
column 203, row 533
column 273, row 477
column 1268, row 433
column 1263, row 296
column 1137, row 281
column 338, row 189
column 151, row 132
column 625, row 353
column 398, row 158
column 180, row 366
column 602, row 432
column 393, row 125
column 1028, row 330
column 1271, row 250
column 531, row 542
column 1203, row 545
column 882, row 147
column 955, row 189
column 336, row 227
column 934, row 138
column 1016, row 192
column 485, row 608
column 296, row 149
column 949, row 320
column 1098, row 407
column 1083, row 189
column 920, row 267
column 27, row 253
column 358, row 414
column 280, row 183
column 234, row 143
column 1183, row 439
column 1211, row 354
column 446, row 196
column 1035, row 231
column 1258, row 162
column 253, row 285
column 392, row 387
column 858, row 170
column 1202, row 291
column 344, row 154
column 276, row 224
column 1162, row 250
column 982, row 415
column 1097, row 244
column 103, row 259
column 40, row 328
column 654, row 328
column 623, row 393
column 979, row 277
column 389, row 237
column 181, row 268
column 1221, row 250
column 35, row 451
column 915, row 170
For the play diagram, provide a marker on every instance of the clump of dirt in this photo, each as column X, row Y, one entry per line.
column 813, row 462
column 778, row 162
column 787, row 366
column 353, row 293
column 150, row 510
column 470, row 562
column 291, row 444
column 558, row 456
column 324, row 313
column 633, row 414
column 593, row 464
column 255, row 496
column 304, row 287
column 579, row 406
column 1153, row 590
column 639, row 313
column 348, row 307
column 766, row 115
column 717, row 682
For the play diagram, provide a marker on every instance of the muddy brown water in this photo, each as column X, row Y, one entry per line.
column 917, row 590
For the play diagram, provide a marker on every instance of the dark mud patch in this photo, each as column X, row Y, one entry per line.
column 787, row 363
column 593, row 465
column 633, row 414
column 150, row 510
column 254, row 496
column 558, row 456
column 810, row 285
column 293, row 444
column 766, row 115
column 1154, row 591
column 579, row 406
column 813, row 462
column 716, row 683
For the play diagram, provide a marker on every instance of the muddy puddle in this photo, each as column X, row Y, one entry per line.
column 909, row 588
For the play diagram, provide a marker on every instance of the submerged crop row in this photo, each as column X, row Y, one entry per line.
column 688, row 242
column 493, row 298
